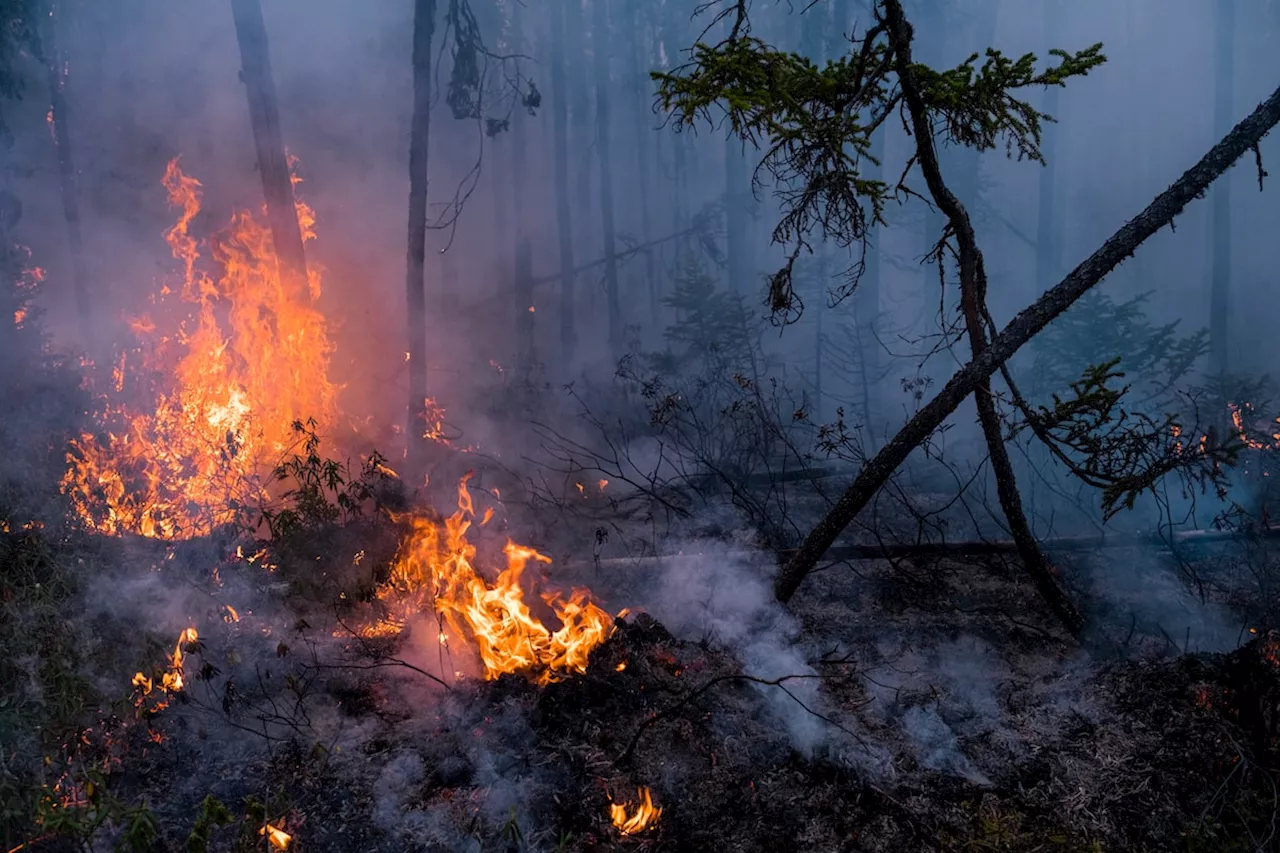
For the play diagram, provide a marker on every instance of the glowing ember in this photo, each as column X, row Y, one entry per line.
column 644, row 816
column 278, row 838
column 435, row 569
column 251, row 361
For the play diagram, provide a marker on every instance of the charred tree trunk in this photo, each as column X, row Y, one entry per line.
column 273, row 163
column 973, row 297
column 1220, row 215
column 600, row 41
column 424, row 29
column 1244, row 137
column 59, row 130
column 564, row 218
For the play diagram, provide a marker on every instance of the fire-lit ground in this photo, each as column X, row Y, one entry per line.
column 940, row 728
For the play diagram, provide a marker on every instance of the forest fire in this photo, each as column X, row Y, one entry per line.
column 436, row 570
column 237, row 375
column 644, row 816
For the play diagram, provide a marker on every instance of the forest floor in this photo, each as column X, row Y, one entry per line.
column 894, row 708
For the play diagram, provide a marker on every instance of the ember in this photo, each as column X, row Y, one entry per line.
column 237, row 389
column 646, row 814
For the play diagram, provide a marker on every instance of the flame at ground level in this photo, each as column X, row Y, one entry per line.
column 646, row 814
column 435, row 571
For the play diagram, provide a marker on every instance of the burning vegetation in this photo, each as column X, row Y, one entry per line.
column 223, row 387
column 228, row 622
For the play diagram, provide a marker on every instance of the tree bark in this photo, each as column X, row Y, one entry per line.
column 564, row 217
column 59, row 129
column 1244, row 137
column 1048, row 229
column 599, row 48
column 424, row 26
column 273, row 163
column 638, row 70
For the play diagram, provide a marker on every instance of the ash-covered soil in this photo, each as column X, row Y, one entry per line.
column 898, row 708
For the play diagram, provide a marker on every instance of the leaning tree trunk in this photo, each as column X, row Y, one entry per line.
column 273, row 163
column 600, row 42
column 564, row 219
column 1244, row 137
column 61, row 134
column 424, row 27
column 1220, row 216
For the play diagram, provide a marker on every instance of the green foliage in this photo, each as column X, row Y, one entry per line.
column 814, row 123
column 213, row 815
column 79, row 809
column 1119, row 451
column 1097, row 324
column 321, row 491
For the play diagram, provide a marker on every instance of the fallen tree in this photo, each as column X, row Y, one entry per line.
column 964, row 547
column 1244, row 137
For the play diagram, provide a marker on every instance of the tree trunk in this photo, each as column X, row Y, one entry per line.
column 1220, row 215
column 1121, row 245
column 737, row 191
column 59, row 129
column 599, row 44
column 564, row 220
column 638, row 71
column 525, row 355
column 1048, row 229
column 273, row 163
column 424, row 27
column 973, row 297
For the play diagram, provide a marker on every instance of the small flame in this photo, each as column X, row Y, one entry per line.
column 644, row 817
column 278, row 838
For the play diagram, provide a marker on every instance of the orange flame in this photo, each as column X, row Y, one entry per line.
column 645, row 816
column 253, row 361
column 278, row 838
column 435, row 569
column 171, row 680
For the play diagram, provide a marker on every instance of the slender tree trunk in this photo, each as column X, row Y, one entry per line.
column 737, row 189
column 1121, row 245
column 638, row 72
column 525, row 355
column 525, row 308
column 273, row 163
column 1220, row 215
column 1048, row 229
column 973, row 297
column 564, row 219
column 424, row 26
column 59, row 129
column 600, row 43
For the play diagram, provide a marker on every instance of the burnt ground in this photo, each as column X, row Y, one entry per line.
column 931, row 708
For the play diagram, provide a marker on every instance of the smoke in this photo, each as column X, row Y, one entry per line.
column 728, row 601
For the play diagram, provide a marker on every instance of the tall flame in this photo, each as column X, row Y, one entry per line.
column 435, row 569
column 251, row 360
